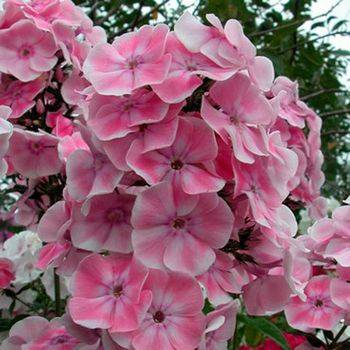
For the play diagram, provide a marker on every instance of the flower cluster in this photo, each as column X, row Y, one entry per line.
column 160, row 172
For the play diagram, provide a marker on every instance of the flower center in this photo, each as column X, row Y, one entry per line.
column 25, row 52
column 128, row 105
column 191, row 66
column 318, row 303
column 35, row 147
column 176, row 164
column 118, row 291
column 115, row 216
column 234, row 120
column 159, row 317
column 143, row 127
column 133, row 63
column 60, row 339
column 178, row 223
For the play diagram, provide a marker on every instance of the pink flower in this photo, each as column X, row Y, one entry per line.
column 105, row 226
column 6, row 130
column 61, row 126
column 10, row 14
column 7, row 273
column 176, row 230
column 266, row 295
column 220, row 327
column 291, row 108
column 26, row 51
column 174, row 320
column 45, row 12
column 20, row 96
column 115, row 117
column 332, row 236
column 243, row 113
column 146, row 137
column 221, row 279
column 74, row 51
column 70, row 143
column 90, row 174
column 265, row 192
column 34, row 154
column 37, row 333
column 317, row 311
column 183, row 74
column 340, row 289
column 226, row 45
column 186, row 163
column 73, row 87
column 113, row 299
column 132, row 61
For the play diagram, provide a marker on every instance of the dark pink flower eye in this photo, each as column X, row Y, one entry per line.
column 159, row 317
column 176, row 164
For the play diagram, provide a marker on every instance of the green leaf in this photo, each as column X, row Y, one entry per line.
column 252, row 337
column 339, row 24
column 266, row 327
column 317, row 24
column 341, row 52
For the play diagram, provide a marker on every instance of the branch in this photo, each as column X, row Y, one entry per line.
column 266, row 31
column 321, row 92
column 300, row 21
column 337, row 337
column 325, row 115
column 137, row 17
column 93, row 9
column 57, row 294
column 155, row 8
column 109, row 13
column 335, row 132
column 312, row 40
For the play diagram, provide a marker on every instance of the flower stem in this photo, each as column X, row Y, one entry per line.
column 57, row 294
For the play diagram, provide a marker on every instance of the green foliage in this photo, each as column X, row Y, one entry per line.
column 257, row 326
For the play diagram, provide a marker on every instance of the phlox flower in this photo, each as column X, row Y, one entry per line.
column 340, row 289
column 266, row 295
column 61, row 126
column 105, row 226
column 176, row 231
column 6, row 130
column 185, row 67
column 90, row 173
column 143, row 138
column 115, row 117
column 243, row 112
column 186, row 163
column 7, row 272
column 37, row 333
column 291, row 108
column 113, row 299
column 318, row 310
column 20, row 96
column 222, row 279
column 226, row 45
column 26, row 51
column 220, row 324
column 133, row 60
column 174, row 320
column 332, row 236
column 34, row 154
